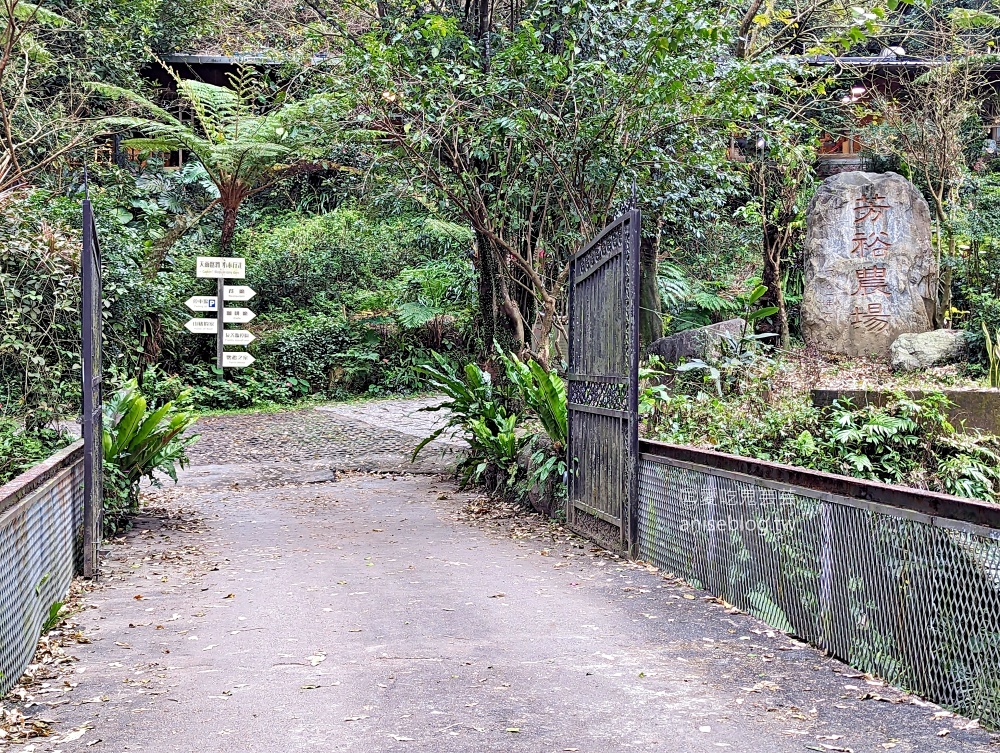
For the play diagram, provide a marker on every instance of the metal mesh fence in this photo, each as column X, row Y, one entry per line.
column 910, row 598
column 40, row 548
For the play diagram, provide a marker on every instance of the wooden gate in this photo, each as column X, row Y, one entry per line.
column 604, row 386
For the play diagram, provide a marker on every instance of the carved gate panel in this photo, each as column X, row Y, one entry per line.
column 604, row 386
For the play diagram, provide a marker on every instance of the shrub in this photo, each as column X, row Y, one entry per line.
column 543, row 392
column 319, row 349
column 475, row 407
column 314, row 262
column 904, row 442
column 39, row 315
column 138, row 443
column 20, row 449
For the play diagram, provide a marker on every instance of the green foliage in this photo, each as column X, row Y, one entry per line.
column 496, row 433
column 434, row 297
column 905, row 441
column 53, row 618
column 475, row 407
column 543, row 392
column 20, row 449
column 738, row 356
column 993, row 356
column 969, row 466
column 238, row 147
column 138, row 443
column 39, row 315
column 498, row 134
column 880, row 444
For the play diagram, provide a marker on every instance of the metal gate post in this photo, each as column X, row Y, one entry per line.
column 632, row 280
column 93, row 453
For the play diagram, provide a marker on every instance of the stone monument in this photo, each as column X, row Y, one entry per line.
column 870, row 269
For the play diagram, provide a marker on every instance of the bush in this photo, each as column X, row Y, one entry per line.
column 139, row 441
column 39, row 315
column 313, row 263
column 477, row 408
column 20, row 449
column 496, row 433
column 904, row 442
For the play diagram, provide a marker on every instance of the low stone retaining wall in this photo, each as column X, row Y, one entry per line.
column 41, row 545
column 977, row 409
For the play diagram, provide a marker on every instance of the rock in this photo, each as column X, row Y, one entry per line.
column 703, row 342
column 925, row 350
column 542, row 497
column 870, row 270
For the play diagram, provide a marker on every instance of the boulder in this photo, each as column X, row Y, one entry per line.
column 870, row 270
column 542, row 497
column 924, row 350
column 704, row 342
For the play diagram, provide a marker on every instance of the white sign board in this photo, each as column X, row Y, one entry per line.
column 237, row 337
column 222, row 266
column 239, row 293
column 238, row 316
column 201, row 303
column 237, row 360
column 203, row 326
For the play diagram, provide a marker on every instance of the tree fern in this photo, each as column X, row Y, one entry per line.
column 242, row 150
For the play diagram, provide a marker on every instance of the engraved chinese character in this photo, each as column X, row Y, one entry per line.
column 873, row 320
column 871, row 280
column 876, row 243
column 870, row 208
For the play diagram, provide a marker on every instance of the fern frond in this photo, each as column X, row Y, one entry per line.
column 118, row 93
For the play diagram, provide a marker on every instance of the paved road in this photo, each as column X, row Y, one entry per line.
column 276, row 600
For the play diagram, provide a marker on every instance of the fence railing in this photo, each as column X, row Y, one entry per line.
column 41, row 546
column 897, row 582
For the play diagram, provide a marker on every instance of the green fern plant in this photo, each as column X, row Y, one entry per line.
column 137, row 444
column 993, row 355
column 431, row 297
column 543, row 393
column 469, row 397
column 243, row 151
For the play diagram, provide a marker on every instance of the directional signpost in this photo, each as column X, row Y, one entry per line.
column 239, row 293
column 203, row 326
column 237, row 337
column 237, row 360
column 202, row 303
column 220, row 268
column 238, row 316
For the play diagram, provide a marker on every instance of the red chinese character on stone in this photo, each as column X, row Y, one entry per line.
column 870, row 208
column 873, row 320
column 874, row 244
column 871, row 280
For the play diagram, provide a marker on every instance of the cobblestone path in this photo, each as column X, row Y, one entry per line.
column 279, row 599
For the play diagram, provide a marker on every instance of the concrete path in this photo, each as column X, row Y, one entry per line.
column 277, row 600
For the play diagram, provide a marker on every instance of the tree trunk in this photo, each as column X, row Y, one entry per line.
column 228, row 228
column 946, row 276
column 650, row 310
column 772, row 280
column 498, row 317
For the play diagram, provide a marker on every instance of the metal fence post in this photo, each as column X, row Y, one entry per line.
column 93, row 454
